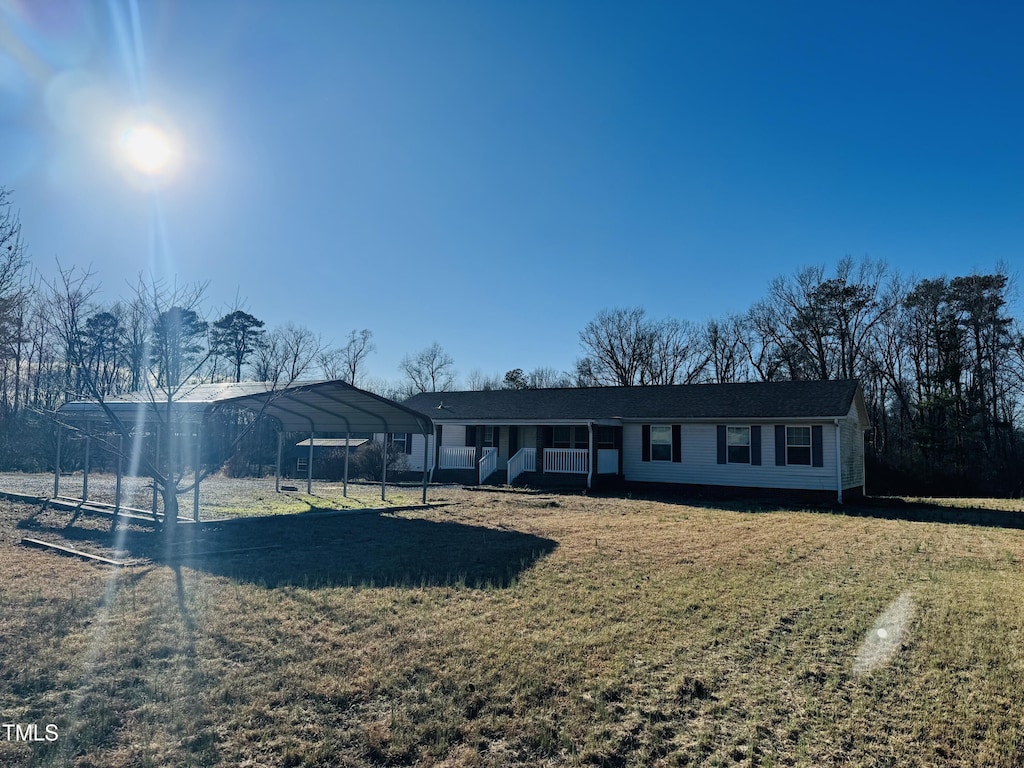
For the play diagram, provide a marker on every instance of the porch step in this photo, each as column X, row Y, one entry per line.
column 498, row 477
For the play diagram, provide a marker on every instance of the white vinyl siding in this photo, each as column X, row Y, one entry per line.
column 851, row 436
column 414, row 460
column 700, row 462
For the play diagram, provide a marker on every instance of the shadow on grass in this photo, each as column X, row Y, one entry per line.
column 883, row 508
column 361, row 549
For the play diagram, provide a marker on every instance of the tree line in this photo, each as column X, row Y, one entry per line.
column 941, row 359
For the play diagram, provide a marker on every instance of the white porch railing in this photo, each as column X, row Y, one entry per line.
column 575, row 460
column 458, row 457
column 525, row 460
column 488, row 463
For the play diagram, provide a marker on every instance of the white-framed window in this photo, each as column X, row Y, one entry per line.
column 490, row 437
column 661, row 442
column 301, row 466
column 738, row 445
column 570, row 437
column 798, row 445
column 398, row 438
column 605, row 437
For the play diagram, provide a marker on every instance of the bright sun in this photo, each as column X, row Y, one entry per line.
column 148, row 149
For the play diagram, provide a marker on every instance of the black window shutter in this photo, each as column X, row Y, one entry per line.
column 780, row 445
column 677, row 443
column 645, row 440
column 470, row 435
column 513, row 440
column 549, row 436
column 755, row 444
column 408, row 442
column 721, row 444
column 817, row 454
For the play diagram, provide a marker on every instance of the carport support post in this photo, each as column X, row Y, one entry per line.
column 344, row 487
column 85, row 467
column 280, row 448
column 156, row 463
column 384, row 468
column 120, row 465
column 426, row 453
column 309, row 468
column 56, row 464
column 199, row 453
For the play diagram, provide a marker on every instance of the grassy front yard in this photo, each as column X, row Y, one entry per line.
column 519, row 629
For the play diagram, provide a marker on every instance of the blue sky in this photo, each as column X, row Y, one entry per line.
column 489, row 175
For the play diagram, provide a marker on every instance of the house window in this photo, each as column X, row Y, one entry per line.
column 606, row 437
column 301, row 466
column 661, row 443
column 798, row 445
column 398, row 438
column 570, row 437
column 738, row 445
column 490, row 439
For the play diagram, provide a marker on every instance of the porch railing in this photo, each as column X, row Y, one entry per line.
column 458, row 457
column 576, row 460
column 525, row 460
column 488, row 463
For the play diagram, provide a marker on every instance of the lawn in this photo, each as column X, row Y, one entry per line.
column 511, row 628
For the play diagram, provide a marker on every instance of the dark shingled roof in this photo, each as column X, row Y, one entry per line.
column 760, row 400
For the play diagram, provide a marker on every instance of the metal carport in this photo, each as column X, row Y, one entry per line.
column 314, row 406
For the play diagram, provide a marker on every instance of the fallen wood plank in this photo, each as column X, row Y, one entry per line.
column 40, row 544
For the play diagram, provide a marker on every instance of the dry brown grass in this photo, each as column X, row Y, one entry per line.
column 502, row 628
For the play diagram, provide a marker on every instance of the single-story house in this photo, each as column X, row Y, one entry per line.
column 791, row 435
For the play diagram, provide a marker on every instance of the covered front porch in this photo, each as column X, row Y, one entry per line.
column 511, row 452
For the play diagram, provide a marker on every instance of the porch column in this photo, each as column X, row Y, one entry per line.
column 592, row 454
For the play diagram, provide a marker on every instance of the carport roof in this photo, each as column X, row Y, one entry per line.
column 311, row 406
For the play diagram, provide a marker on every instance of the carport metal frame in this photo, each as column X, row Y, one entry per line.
column 316, row 406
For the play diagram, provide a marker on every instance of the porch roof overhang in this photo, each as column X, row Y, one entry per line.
column 601, row 422
column 313, row 406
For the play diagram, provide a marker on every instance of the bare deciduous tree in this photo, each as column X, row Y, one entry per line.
column 431, row 370
column 286, row 353
column 346, row 363
column 624, row 348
